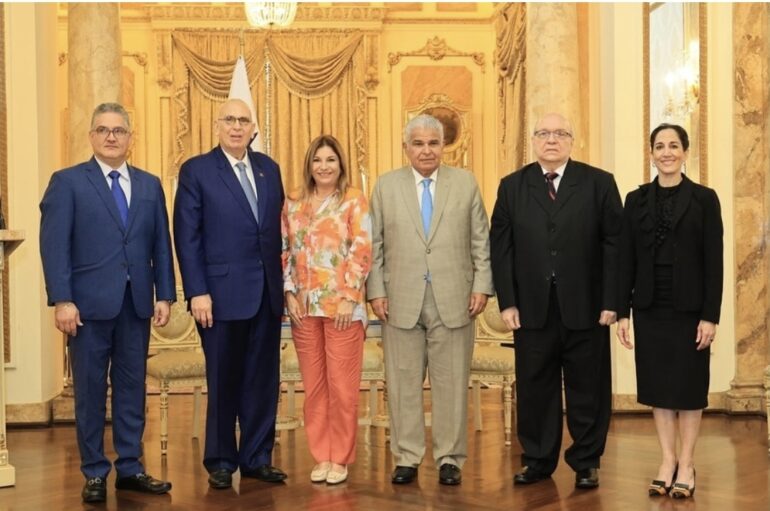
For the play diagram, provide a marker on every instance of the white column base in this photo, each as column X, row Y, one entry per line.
column 7, row 476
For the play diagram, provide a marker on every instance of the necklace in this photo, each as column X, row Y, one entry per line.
column 319, row 198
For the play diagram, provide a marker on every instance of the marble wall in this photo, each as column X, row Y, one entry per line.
column 751, row 165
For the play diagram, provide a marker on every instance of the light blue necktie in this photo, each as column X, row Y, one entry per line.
column 427, row 205
column 247, row 189
column 119, row 195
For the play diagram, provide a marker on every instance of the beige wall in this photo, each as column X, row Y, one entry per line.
column 34, row 373
column 612, row 39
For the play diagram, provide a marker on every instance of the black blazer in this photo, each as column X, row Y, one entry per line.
column 697, row 236
column 574, row 238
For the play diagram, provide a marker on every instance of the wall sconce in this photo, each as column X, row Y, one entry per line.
column 683, row 85
column 269, row 14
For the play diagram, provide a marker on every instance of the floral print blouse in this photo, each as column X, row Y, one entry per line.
column 327, row 254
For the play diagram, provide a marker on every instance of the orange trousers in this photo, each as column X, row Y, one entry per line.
column 330, row 362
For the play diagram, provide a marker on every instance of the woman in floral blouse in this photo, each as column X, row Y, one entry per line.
column 327, row 252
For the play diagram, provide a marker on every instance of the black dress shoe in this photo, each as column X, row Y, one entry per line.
column 95, row 490
column 265, row 473
column 221, row 479
column 587, row 478
column 449, row 474
column 144, row 483
column 529, row 476
column 403, row 475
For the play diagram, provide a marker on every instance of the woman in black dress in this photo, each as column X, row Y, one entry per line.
column 671, row 276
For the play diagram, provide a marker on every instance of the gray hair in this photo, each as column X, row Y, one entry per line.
column 115, row 108
column 426, row 122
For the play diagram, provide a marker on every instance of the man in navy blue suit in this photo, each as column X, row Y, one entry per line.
column 227, row 232
column 106, row 250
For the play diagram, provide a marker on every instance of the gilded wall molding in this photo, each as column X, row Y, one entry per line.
column 139, row 57
column 435, row 49
column 235, row 12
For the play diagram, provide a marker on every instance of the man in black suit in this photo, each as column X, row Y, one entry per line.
column 554, row 247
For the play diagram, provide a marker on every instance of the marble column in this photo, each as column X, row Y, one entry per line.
column 553, row 60
column 751, row 50
column 94, row 68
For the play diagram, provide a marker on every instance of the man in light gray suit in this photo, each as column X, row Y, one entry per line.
column 430, row 278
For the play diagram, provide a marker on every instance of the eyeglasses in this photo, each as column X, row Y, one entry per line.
column 104, row 132
column 230, row 120
column 557, row 134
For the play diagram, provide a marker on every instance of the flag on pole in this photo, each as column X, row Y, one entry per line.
column 239, row 89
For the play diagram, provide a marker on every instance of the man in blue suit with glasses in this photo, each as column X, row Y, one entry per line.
column 108, row 266
column 227, row 231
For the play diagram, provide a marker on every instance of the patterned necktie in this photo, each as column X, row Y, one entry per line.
column 427, row 205
column 247, row 189
column 119, row 196
column 551, row 188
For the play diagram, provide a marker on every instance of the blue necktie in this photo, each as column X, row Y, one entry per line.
column 119, row 196
column 247, row 189
column 427, row 205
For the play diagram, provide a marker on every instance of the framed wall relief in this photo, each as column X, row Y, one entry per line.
column 457, row 129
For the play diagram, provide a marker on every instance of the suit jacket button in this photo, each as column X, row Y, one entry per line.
column 554, row 252
column 427, row 251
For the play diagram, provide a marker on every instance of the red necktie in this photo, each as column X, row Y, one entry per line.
column 551, row 188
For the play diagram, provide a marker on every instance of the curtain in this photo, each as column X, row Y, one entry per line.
column 510, row 62
column 316, row 87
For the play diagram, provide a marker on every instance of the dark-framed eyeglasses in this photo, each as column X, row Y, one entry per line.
column 104, row 132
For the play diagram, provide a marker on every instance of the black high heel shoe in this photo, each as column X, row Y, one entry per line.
column 658, row 488
column 683, row 491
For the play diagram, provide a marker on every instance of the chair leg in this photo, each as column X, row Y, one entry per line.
column 290, row 401
column 196, row 412
column 477, row 405
column 507, row 408
column 372, row 401
column 164, row 417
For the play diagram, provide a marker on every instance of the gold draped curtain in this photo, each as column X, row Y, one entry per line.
column 316, row 82
column 510, row 62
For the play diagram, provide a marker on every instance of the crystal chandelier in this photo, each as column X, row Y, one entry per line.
column 683, row 85
column 269, row 14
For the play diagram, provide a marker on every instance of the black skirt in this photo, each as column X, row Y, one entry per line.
column 670, row 372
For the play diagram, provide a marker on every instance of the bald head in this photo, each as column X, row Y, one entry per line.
column 230, row 102
column 552, row 141
column 552, row 119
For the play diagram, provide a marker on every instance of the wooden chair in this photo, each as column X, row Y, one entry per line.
column 492, row 363
column 178, row 363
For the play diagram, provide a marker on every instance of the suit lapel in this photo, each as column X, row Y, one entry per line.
column 227, row 174
column 138, row 191
column 651, row 193
column 97, row 179
column 409, row 195
column 259, row 180
column 568, row 185
column 443, row 186
column 538, row 188
column 683, row 201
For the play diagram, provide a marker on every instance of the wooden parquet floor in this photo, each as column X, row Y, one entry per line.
column 732, row 463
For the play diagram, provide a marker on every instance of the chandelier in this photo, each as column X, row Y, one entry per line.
column 683, row 85
column 269, row 14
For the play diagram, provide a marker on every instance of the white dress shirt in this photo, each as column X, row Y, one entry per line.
column 123, row 180
column 418, row 178
column 557, row 180
column 249, row 174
